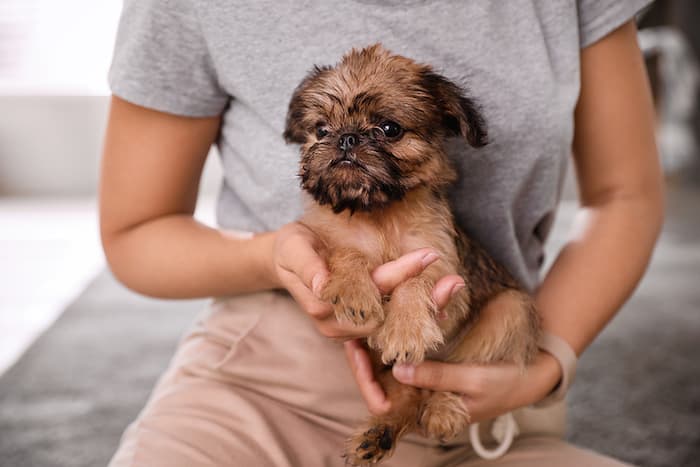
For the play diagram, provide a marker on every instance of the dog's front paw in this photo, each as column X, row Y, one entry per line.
column 406, row 344
column 409, row 330
column 444, row 416
column 354, row 299
column 405, row 339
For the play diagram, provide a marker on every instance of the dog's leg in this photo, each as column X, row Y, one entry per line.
column 443, row 416
column 410, row 329
column 506, row 330
column 504, row 324
column 350, row 288
column 377, row 439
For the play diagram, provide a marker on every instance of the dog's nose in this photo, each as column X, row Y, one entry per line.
column 348, row 141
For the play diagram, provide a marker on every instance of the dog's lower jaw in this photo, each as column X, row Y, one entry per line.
column 361, row 192
column 360, row 200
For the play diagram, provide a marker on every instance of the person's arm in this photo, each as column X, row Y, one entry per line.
column 151, row 166
column 620, row 189
column 622, row 201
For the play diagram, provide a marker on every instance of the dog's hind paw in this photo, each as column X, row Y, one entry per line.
column 371, row 446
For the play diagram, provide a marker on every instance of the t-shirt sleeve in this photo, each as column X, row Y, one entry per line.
column 161, row 60
column 598, row 18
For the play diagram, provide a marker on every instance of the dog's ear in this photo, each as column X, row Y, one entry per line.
column 460, row 114
column 295, row 129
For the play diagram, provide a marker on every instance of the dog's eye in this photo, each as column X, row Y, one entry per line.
column 390, row 129
column 321, row 132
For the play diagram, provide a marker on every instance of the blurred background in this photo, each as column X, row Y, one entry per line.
column 54, row 58
column 59, row 304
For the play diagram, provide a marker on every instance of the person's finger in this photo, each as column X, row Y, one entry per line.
column 437, row 376
column 350, row 347
column 306, row 299
column 344, row 330
column 446, row 288
column 389, row 275
column 371, row 390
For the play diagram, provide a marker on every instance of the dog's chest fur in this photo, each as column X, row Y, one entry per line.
column 385, row 234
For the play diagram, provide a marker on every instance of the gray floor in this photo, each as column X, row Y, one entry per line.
column 636, row 397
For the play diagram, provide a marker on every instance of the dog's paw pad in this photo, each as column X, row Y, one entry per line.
column 371, row 446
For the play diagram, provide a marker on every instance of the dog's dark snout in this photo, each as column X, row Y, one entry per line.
column 348, row 141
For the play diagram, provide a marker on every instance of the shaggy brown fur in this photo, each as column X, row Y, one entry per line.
column 371, row 131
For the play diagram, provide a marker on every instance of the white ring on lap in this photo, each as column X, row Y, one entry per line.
column 510, row 428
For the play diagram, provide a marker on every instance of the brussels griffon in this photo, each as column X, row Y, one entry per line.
column 375, row 172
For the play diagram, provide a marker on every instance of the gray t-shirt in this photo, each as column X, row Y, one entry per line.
column 518, row 58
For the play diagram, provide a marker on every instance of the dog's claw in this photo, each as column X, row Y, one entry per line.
column 354, row 301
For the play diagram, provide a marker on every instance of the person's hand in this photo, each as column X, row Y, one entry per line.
column 488, row 390
column 301, row 270
column 360, row 363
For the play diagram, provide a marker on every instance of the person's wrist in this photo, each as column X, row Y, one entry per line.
column 268, row 265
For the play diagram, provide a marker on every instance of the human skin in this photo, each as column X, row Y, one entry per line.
column 152, row 162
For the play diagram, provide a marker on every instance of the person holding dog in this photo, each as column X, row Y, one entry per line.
column 257, row 381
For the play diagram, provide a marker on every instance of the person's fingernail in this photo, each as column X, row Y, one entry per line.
column 404, row 373
column 429, row 258
column 456, row 288
column 316, row 283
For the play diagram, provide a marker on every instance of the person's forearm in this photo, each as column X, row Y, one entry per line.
column 600, row 266
column 177, row 257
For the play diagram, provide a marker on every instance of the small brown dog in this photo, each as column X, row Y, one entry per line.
column 372, row 131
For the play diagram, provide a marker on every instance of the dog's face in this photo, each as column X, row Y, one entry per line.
column 372, row 129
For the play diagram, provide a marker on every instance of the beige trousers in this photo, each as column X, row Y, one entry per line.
column 254, row 384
